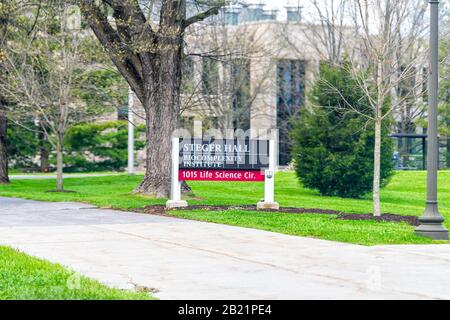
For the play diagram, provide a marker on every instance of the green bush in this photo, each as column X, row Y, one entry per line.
column 99, row 146
column 333, row 146
column 23, row 144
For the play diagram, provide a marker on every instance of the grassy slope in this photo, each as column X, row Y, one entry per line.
column 25, row 277
column 404, row 195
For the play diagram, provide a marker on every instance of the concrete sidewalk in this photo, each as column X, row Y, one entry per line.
column 194, row 260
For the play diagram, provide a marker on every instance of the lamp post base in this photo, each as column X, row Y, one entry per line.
column 435, row 235
column 431, row 224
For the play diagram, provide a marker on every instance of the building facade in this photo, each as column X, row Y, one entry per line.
column 248, row 69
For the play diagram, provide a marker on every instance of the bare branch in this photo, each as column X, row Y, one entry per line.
column 202, row 16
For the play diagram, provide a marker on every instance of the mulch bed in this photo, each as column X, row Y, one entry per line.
column 253, row 208
column 389, row 217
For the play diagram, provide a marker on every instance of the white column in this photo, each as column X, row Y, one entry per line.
column 175, row 186
column 269, row 183
column 130, row 132
column 198, row 129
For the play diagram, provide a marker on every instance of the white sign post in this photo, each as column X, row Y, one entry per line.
column 269, row 182
column 175, row 188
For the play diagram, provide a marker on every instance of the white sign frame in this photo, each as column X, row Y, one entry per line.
column 269, row 181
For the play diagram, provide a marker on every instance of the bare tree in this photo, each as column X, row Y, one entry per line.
column 383, row 44
column 12, row 25
column 326, row 30
column 146, row 45
column 444, row 88
column 384, row 31
column 45, row 76
column 7, row 13
column 411, row 48
column 4, row 178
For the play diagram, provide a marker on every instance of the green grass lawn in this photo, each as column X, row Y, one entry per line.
column 314, row 225
column 404, row 195
column 15, row 172
column 25, row 277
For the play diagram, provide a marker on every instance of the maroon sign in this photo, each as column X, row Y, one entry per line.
column 220, row 175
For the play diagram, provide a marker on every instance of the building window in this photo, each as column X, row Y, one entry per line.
column 425, row 84
column 187, row 83
column 210, row 76
column 406, row 85
column 210, row 123
column 254, row 12
column 241, row 94
column 294, row 14
column 231, row 15
column 187, row 123
column 290, row 97
column 122, row 113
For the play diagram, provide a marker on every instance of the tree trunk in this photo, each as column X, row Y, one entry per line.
column 162, row 105
column 44, row 153
column 59, row 167
column 3, row 151
column 377, row 168
column 160, row 126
